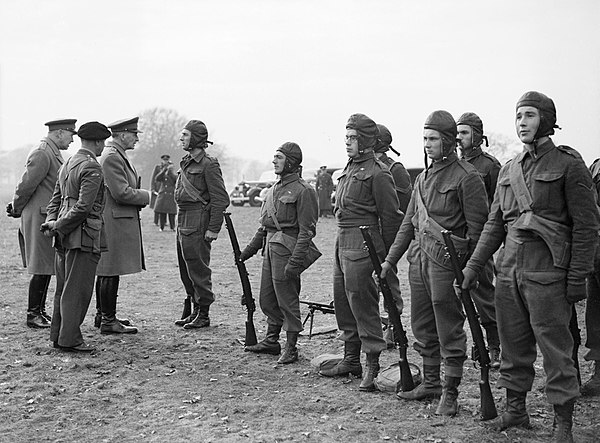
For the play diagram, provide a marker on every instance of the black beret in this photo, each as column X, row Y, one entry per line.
column 125, row 125
column 165, row 157
column 93, row 131
column 65, row 123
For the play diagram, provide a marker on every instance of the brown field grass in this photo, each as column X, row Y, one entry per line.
column 170, row 384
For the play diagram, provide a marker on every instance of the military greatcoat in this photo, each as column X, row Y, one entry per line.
column 32, row 195
column 124, row 200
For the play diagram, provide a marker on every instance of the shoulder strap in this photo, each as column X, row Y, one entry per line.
column 519, row 187
column 270, row 207
column 191, row 189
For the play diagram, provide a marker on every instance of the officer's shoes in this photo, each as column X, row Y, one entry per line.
column 37, row 321
column 116, row 327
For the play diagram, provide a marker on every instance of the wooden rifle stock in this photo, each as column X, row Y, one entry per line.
column 247, row 299
column 488, row 408
column 400, row 340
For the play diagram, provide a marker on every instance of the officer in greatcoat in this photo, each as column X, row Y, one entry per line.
column 32, row 194
column 124, row 201
column 75, row 221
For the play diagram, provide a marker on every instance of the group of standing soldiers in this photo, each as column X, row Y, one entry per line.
column 539, row 210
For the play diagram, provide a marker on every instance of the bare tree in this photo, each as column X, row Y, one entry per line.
column 502, row 146
column 161, row 128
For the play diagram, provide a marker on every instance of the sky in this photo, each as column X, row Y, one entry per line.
column 263, row 72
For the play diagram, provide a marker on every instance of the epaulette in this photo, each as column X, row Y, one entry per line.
column 569, row 150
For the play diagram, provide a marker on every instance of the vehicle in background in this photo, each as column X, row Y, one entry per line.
column 248, row 191
column 413, row 172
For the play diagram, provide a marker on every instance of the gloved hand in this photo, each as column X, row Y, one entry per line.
column 47, row 229
column 246, row 254
column 10, row 211
column 576, row 291
column 470, row 281
column 291, row 271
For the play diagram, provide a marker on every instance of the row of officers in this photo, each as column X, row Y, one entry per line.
column 540, row 211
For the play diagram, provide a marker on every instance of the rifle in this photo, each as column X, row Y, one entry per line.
column 400, row 340
column 480, row 352
column 247, row 299
column 576, row 333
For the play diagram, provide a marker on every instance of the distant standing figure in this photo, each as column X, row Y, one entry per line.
column 32, row 194
column 155, row 186
column 324, row 187
column 75, row 221
column 124, row 200
column 165, row 202
column 201, row 199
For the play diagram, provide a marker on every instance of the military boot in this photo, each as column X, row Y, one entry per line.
column 110, row 324
column 98, row 316
column 563, row 422
column 372, row 370
column 290, row 353
column 43, row 301
column 430, row 388
column 38, row 286
column 515, row 414
column 270, row 344
column 186, row 315
column 201, row 320
column 350, row 364
column 448, row 404
column 592, row 386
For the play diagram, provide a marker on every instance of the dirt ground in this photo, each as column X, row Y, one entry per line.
column 170, row 384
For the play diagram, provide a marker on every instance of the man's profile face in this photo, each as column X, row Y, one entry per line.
column 527, row 123
column 432, row 142
column 278, row 162
column 129, row 139
column 65, row 138
column 184, row 139
column 352, row 143
column 465, row 136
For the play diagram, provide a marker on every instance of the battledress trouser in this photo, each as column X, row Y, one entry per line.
column 592, row 316
column 484, row 299
column 75, row 273
column 355, row 294
column 531, row 308
column 279, row 296
column 193, row 255
column 437, row 317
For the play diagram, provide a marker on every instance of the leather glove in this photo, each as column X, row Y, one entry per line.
column 48, row 229
column 576, row 291
column 246, row 254
column 11, row 212
column 291, row 272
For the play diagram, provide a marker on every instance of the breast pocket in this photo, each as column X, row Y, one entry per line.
column 547, row 190
column 286, row 208
column 505, row 194
column 360, row 186
column 448, row 194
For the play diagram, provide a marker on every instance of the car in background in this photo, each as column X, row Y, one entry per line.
column 248, row 191
column 413, row 172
